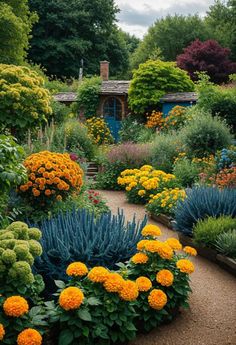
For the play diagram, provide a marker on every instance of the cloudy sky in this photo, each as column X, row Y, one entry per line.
column 136, row 16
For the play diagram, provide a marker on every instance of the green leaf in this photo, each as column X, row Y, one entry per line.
column 60, row 284
column 93, row 301
column 65, row 337
column 85, row 315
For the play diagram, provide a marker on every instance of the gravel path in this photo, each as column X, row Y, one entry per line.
column 211, row 319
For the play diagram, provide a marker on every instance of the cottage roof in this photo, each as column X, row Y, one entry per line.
column 179, row 97
column 65, row 97
column 115, row 87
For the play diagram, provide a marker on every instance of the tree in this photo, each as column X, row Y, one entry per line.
column 15, row 26
column 71, row 30
column 24, row 102
column 207, row 57
column 152, row 80
column 168, row 36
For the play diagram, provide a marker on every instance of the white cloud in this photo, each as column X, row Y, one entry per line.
column 135, row 17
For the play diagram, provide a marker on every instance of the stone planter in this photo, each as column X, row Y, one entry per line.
column 225, row 262
column 163, row 219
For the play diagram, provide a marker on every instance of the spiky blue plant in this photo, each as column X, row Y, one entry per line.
column 79, row 236
column 203, row 202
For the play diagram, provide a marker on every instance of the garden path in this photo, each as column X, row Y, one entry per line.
column 211, row 319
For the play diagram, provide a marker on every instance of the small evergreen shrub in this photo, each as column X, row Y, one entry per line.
column 88, row 96
column 226, row 243
column 186, row 172
column 201, row 203
column 78, row 236
column 206, row 231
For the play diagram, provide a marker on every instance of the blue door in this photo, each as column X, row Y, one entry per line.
column 112, row 112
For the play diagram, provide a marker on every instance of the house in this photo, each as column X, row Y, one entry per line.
column 170, row 100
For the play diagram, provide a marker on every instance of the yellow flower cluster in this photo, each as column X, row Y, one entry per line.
column 157, row 299
column 155, row 120
column 51, row 175
column 175, row 118
column 190, row 251
column 165, row 278
column 129, row 291
column 168, row 198
column 98, row 274
column 185, row 266
column 15, row 306
column 174, row 243
column 139, row 258
column 29, row 337
column 98, row 131
column 144, row 284
column 151, row 230
column 71, row 298
column 114, row 282
column 77, row 269
column 146, row 180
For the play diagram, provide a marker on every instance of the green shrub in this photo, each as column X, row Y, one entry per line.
column 204, row 135
column 226, row 243
column 152, row 80
column 186, row 172
column 130, row 129
column 164, row 150
column 207, row 231
column 88, row 96
column 60, row 112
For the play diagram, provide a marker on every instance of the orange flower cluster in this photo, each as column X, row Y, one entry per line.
column 151, row 230
column 129, row 291
column 98, row 274
column 155, row 120
column 114, row 282
column 185, row 266
column 139, row 258
column 165, row 278
column 144, row 284
column 51, row 176
column 77, row 269
column 71, row 298
column 15, row 306
column 190, row 251
column 29, row 337
column 2, row 332
column 157, row 299
column 226, row 178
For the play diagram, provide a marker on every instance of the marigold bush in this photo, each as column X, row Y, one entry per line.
column 142, row 183
column 98, row 131
column 226, row 178
column 51, row 177
column 155, row 120
column 176, row 118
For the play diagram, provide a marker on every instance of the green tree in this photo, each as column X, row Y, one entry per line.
column 71, row 30
column 152, row 80
column 15, row 26
column 168, row 36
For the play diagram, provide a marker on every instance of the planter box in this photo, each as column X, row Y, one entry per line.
column 163, row 219
column 225, row 262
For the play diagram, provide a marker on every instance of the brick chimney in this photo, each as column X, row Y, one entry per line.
column 104, row 70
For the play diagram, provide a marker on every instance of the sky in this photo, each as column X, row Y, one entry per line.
column 136, row 16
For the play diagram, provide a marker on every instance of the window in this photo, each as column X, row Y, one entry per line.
column 113, row 108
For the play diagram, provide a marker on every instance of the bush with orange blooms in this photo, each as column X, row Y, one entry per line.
column 146, row 291
column 51, row 177
column 155, row 120
column 226, row 178
column 176, row 118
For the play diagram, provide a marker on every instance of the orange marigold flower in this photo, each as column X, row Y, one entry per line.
column 185, row 266
column 143, row 283
column 29, row 337
column 71, row 298
column 98, row 274
column 174, row 243
column 129, row 291
column 35, row 192
column 165, row 251
column 114, row 282
column 77, row 269
column 157, row 299
column 190, row 251
column 59, row 197
column 151, row 230
column 139, row 258
column 2, row 332
column 15, row 306
column 141, row 244
column 152, row 246
column 165, row 277
column 47, row 192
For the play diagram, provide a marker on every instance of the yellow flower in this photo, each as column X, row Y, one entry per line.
column 128, row 189
column 165, row 277
column 29, row 337
column 139, row 258
column 174, row 243
column 77, row 269
column 71, row 298
column 129, row 291
column 152, row 246
column 2, row 332
column 157, row 299
column 165, row 251
column 144, row 284
column 141, row 192
column 114, row 282
column 190, row 251
column 185, row 266
column 141, row 244
column 98, row 274
column 15, row 306
column 151, row 230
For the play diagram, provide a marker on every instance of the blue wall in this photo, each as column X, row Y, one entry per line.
column 166, row 107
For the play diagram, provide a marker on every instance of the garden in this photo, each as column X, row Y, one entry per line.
column 108, row 258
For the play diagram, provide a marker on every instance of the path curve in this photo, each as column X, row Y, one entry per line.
column 211, row 319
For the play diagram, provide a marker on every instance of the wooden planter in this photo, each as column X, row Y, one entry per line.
column 163, row 219
column 225, row 262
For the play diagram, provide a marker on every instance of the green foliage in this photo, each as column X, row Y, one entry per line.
column 152, row 80
column 134, row 131
column 226, row 243
column 164, row 150
column 19, row 247
column 60, row 112
column 186, row 172
column 207, row 231
column 88, row 96
column 168, row 36
column 203, row 202
column 204, row 135
column 15, row 26
column 12, row 172
column 24, row 102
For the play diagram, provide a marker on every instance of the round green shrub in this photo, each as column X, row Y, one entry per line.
column 226, row 243
column 207, row 231
column 186, row 172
